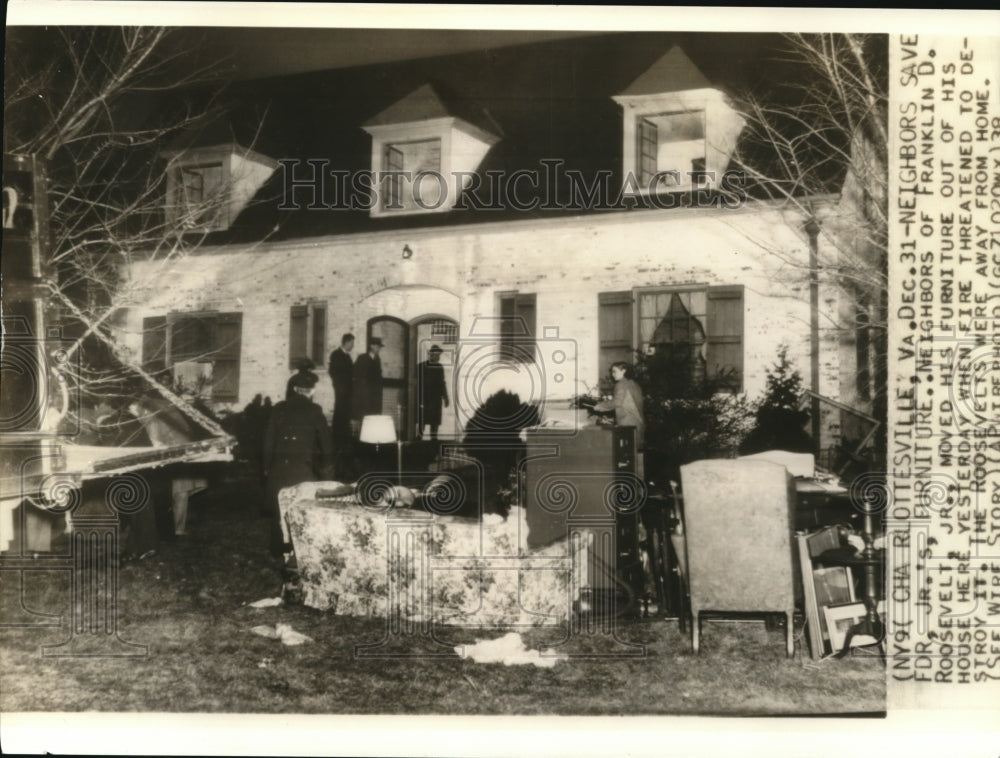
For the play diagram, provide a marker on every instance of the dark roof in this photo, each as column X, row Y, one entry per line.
column 674, row 72
column 549, row 101
column 425, row 103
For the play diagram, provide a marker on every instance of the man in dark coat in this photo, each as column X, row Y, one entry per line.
column 432, row 390
column 296, row 449
column 341, row 370
column 367, row 389
column 302, row 365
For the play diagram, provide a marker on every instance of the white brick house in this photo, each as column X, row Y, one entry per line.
column 591, row 287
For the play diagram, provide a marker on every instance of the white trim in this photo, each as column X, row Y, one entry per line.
column 650, row 215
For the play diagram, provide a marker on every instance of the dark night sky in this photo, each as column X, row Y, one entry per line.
column 260, row 52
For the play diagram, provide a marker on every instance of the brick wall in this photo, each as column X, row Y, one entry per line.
column 457, row 272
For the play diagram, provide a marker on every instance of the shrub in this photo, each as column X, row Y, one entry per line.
column 687, row 420
column 493, row 437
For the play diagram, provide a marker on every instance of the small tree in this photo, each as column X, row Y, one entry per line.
column 687, row 420
column 779, row 422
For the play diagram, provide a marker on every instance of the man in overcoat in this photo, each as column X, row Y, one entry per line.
column 367, row 389
column 341, row 369
column 297, row 449
column 433, row 391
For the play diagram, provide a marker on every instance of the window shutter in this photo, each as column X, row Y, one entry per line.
column 517, row 327
column 525, row 308
column 154, row 344
column 725, row 336
column 507, row 327
column 525, row 311
column 319, row 334
column 226, row 366
column 298, row 336
column 614, row 326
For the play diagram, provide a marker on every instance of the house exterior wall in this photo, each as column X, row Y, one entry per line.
column 458, row 272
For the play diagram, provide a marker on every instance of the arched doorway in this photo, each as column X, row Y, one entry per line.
column 425, row 332
column 395, row 357
column 404, row 346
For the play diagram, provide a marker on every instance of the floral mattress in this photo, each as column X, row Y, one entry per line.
column 360, row 560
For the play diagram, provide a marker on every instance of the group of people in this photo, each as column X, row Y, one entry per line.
column 298, row 446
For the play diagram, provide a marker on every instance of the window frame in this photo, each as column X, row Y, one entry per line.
column 227, row 356
column 181, row 210
column 643, row 125
column 392, row 198
column 715, row 338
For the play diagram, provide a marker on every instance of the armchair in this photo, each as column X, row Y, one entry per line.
column 738, row 523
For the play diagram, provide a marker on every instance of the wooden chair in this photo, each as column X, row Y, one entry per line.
column 738, row 522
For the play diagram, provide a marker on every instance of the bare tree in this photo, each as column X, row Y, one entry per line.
column 98, row 105
column 822, row 134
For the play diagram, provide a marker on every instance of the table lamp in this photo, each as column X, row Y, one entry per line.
column 377, row 430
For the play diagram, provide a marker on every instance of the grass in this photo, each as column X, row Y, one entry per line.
column 188, row 604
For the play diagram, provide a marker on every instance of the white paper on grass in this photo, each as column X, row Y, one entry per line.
column 283, row 632
column 508, row 650
column 267, row 602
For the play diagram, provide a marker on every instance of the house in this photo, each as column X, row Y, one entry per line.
column 539, row 212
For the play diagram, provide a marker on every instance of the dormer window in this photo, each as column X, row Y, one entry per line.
column 423, row 154
column 671, row 148
column 679, row 131
column 199, row 193
column 412, row 169
column 208, row 187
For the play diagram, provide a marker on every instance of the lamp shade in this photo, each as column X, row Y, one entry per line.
column 376, row 430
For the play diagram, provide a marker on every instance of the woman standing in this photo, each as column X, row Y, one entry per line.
column 626, row 402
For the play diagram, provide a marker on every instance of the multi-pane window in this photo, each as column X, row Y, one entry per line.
column 199, row 196
column 201, row 351
column 517, row 327
column 690, row 336
column 404, row 188
column 444, row 331
column 307, row 333
column 672, row 144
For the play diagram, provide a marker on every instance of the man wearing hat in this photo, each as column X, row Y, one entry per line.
column 367, row 389
column 341, row 370
column 297, row 448
column 432, row 390
column 303, row 365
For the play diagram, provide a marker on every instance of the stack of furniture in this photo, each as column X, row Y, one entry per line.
column 588, row 479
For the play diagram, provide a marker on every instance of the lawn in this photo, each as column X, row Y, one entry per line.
column 189, row 605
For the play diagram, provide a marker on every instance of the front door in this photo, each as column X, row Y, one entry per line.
column 395, row 356
column 425, row 332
